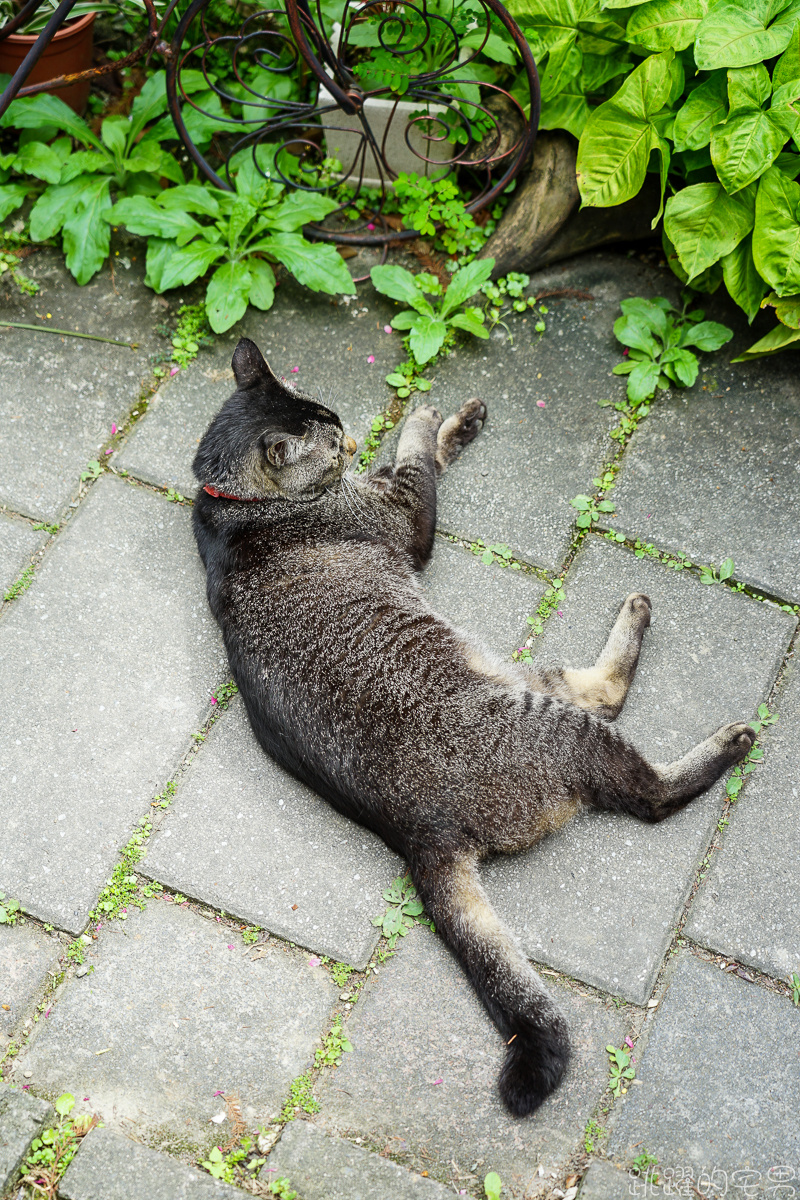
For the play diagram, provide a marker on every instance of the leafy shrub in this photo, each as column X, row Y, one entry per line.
column 429, row 322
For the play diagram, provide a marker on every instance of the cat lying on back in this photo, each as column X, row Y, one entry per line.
column 406, row 724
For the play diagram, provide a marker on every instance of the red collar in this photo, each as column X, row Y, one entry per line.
column 212, row 491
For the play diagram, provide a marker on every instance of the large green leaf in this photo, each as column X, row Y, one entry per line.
column 55, row 205
column 569, row 111
column 777, row 339
column 113, row 134
column 742, row 279
column 787, row 68
column 466, row 283
column 735, row 35
column 398, row 284
column 317, row 266
column 262, row 283
column 707, row 281
column 704, row 224
column 600, row 69
column 471, row 320
column 159, row 252
column 226, row 295
column 33, row 112
column 542, row 16
column 776, row 238
column 86, row 233
column 11, row 196
column 426, row 338
column 34, row 158
column 187, row 263
column 744, row 146
column 748, row 87
column 613, row 154
column 145, row 216
column 86, row 162
column 706, row 106
column 666, row 24
column 564, row 62
column 191, row 197
column 149, row 104
column 300, row 208
column 787, row 309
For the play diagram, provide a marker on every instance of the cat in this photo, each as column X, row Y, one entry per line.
column 355, row 684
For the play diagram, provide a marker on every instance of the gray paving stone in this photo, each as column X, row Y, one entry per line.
column 246, row 837
column 606, row 1182
column 514, row 483
column 330, row 342
column 67, row 393
column 749, row 906
column 324, row 1168
column 26, row 955
column 720, row 1076
column 715, row 474
column 489, row 601
column 600, row 899
column 18, row 544
column 22, row 1118
column 109, row 1166
column 183, row 1014
column 419, row 1023
column 107, row 663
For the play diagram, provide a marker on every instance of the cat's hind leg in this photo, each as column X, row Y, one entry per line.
column 603, row 687
column 458, row 431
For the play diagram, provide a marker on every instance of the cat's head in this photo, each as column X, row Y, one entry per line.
column 270, row 439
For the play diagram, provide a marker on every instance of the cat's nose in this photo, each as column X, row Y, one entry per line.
column 350, row 445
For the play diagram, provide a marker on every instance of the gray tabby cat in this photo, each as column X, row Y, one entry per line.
column 406, row 724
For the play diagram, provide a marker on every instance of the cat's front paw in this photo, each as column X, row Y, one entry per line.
column 458, row 431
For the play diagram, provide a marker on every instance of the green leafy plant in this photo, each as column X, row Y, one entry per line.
column 592, row 1135
column 123, row 888
column 51, row 1153
column 404, row 912
column 191, row 334
column 642, row 1163
column 9, row 910
column 300, row 1096
column 250, row 936
column 428, row 323
column 77, row 201
column 512, row 286
column 436, row 208
column 754, row 756
column 794, row 984
column 620, row 1070
column 20, row 585
column 658, row 337
column 333, row 1047
column 241, row 233
column 708, row 575
column 76, row 952
column 497, row 552
column 341, row 973
column 282, row 1189
column 589, row 509
column 492, row 1186
column 407, row 379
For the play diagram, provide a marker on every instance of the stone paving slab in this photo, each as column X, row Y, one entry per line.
column 720, row 1077
column 601, row 898
column 18, row 544
column 418, row 1022
column 514, row 483
column 107, row 664
column 329, row 341
column 22, row 1118
column 749, row 905
column 487, row 600
column 183, row 1013
column 26, row 955
column 248, row 838
column 715, row 474
column 109, row 1166
column 245, row 836
column 319, row 1167
column 67, row 393
column 606, row 1182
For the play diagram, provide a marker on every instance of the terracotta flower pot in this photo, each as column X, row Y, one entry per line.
column 70, row 51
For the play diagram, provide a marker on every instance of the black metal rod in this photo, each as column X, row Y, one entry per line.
column 36, row 51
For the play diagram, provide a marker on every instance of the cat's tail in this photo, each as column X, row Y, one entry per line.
column 536, row 1033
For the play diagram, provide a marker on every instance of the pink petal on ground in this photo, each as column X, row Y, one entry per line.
column 559, row 612
column 85, row 1099
column 219, row 1093
column 47, row 1014
column 629, row 1043
column 25, row 1087
column 370, row 227
column 111, row 451
column 625, row 352
column 295, row 370
column 371, row 358
column 436, row 1081
column 387, row 329
column 213, row 699
column 314, row 961
column 230, row 946
column 174, row 370
column 113, row 430
column 540, row 404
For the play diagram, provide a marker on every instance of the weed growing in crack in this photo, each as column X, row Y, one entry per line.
column 492, row 1186
column 76, row 952
column 382, row 424
column 333, row 1047
column 341, row 974
column 619, row 1070
column 123, row 888
column 175, row 497
column 547, row 606
column 404, row 912
column 592, row 1136
column 300, row 1097
column 20, row 585
column 51, row 1153
column 164, row 799
column 754, row 757
column 643, row 1163
column 497, row 552
column 250, row 936
column 93, row 471
column 51, row 529
column 794, row 984
column 9, row 910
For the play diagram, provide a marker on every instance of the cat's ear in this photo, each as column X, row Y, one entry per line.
column 249, row 365
column 281, row 448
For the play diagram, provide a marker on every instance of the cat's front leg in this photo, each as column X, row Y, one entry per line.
column 458, row 431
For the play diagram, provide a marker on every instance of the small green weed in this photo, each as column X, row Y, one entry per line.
column 175, row 497
column 756, row 754
column 224, row 694
column 224, row 1166
column 643, row 1162
column 404, row 912
column 10, row 263
column 498, row 553
column 20, row 585
column 794, row 984
column 341, row 973
column 164, row 799
column 179, row 898
column 9, row 910
column 492, row 1186
column 407, row 379
column 382, row 424
column 435, row 208
column 658, row 336
column 250, row 936
column 709, row 575
column 547, row 606
column 281, row 1188
column 123, row 887
column 300, row 1096
column 76, row 952
column 333, row 1047
column 47, row 528
column 192, row 332
column 52, row 1152
column 512, row 286
column 592, row 1135
column 589, row 509
column 93, row 470
column 429, row 321
column 620, row 1070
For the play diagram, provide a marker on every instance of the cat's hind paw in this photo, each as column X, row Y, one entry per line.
column 458, row 431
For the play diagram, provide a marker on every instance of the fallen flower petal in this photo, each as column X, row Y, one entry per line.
column 213, row 699
column 629, row 1043
column 436, row 1081
column 370, row 358
column 111, row 451
column 113, row 430
column 387, row 329
column 230, row 945
column 314, row 961
column 174, row 370
column 541, row 404
column 370, row 227
column 295, row 370
column 219, row 1093
column 559, row 612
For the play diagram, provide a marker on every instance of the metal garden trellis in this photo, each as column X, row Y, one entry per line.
column 493, row 137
